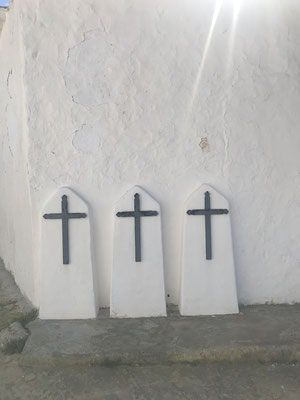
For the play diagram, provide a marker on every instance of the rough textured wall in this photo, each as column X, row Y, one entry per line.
column 2, row 18
column 15, row 208
column 169, row 94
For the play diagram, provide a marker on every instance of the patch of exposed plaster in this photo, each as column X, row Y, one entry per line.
column 89, row 67
column 87, row 139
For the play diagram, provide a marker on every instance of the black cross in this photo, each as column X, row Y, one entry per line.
column 208, row 212
column 65, row 216
column 137, row 214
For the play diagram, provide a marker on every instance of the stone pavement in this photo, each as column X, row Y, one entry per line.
column 204, row 381
column 265, row 333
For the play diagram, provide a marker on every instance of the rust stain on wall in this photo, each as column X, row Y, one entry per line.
column 204, row 145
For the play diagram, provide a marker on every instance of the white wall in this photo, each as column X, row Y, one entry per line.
column 121, row 92
column 15, row 208
column 2, row 18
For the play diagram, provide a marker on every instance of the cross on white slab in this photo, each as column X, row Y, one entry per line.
column 66, row 283
column 207, row 212
column 137, row 286
column 137, row 214
column 65, row 216
column 208, row 283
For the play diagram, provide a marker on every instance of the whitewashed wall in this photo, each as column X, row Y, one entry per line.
column 166, row 94
column 2, row 18
column 16, row 246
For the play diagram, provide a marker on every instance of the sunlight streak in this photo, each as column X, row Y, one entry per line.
column 205, row 52
column 228, row 71
column 235, row 16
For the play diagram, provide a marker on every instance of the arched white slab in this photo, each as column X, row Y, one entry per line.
column 208, row 287
column 66, row 291
column 137, row 288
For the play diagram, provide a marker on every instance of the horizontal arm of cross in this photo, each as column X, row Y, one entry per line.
column 126, row 214
column 137, row 214
column 76, row 215
column 148, row 213
column 65, row 216
column 208, row 212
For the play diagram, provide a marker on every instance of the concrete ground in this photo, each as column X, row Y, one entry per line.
column 248, row 356
column 204, row 381
column 259, row 333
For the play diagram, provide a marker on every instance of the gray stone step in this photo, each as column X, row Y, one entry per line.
column 261, row 333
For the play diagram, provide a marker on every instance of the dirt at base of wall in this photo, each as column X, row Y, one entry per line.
column 13, row 305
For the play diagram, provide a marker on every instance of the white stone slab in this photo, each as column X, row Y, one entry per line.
column 66, row 291
column 137, row 288
column 208, row 287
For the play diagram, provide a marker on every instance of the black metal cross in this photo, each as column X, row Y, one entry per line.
column 207, row 212
column 137, row 214
column 65, row 216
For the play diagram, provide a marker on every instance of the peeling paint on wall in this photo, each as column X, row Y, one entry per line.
column 92, row 70
column 87, row 139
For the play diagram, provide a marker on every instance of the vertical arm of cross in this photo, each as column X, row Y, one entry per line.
column 137, row 228
column 65, row 230
column 208, row 227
